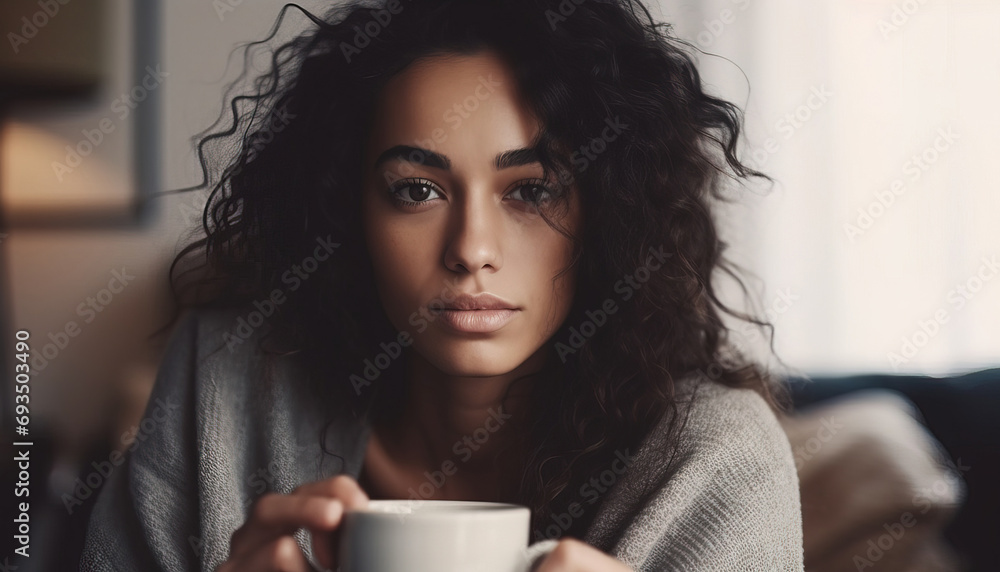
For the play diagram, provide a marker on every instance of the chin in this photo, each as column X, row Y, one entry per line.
column 474, row 358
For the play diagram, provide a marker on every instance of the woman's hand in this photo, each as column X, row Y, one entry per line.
column 572, row 555
column 265, row 541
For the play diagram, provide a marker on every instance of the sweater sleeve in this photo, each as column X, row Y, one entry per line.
column 729, row 502
column 148, row 507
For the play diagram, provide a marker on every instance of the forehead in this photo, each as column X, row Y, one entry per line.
column 467, row 107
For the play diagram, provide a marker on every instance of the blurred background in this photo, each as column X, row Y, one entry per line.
column 876, row 251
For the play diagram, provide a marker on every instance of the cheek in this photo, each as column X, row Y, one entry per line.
column 399, row 258
column 560, row 255
column 551, row 296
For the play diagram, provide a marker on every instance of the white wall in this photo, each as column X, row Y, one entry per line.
column 848, row 289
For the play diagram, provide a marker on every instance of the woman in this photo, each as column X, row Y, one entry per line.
column 465, row 250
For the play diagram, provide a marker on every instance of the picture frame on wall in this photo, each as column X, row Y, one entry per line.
column 79, row 103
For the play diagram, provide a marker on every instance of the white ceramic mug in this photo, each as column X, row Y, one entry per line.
column 436, row 536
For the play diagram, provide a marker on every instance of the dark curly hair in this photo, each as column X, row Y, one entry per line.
column 290, row 172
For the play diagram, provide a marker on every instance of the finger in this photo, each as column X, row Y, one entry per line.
column 324, row 547
column 279, row 555
column 275, row 515
column 573, row 555
column 342, row 487
column 559, row 559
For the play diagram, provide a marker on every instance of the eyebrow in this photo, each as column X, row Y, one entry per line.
column 421, row 156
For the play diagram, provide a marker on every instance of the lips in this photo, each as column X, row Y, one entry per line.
column 477, row 321
column 479, row 313
column 483, row 301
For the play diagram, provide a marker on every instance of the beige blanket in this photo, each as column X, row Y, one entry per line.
column 877, row 489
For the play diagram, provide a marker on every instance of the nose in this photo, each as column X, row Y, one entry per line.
column 475, row 231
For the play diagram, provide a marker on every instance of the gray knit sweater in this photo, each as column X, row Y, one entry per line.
column 218, row 440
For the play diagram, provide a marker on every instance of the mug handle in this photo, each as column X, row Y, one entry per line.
column 533, row 554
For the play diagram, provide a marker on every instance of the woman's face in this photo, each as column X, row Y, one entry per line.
column 448, row 211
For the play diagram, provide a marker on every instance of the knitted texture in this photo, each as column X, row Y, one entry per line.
column 729, row 500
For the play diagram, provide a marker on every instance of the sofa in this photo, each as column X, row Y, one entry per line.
column 898, row 472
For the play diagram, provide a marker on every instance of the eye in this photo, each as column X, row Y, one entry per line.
column 533, row 191
column 412, row 192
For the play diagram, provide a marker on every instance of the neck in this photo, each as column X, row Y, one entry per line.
column 464, row 420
